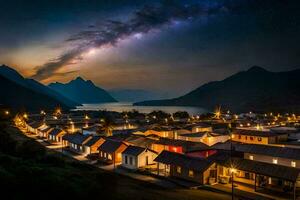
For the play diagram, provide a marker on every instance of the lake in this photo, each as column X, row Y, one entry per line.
column 121, row 106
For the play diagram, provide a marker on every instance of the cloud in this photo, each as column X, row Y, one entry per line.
column 146, row 19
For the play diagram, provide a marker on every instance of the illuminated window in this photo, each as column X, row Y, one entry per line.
column 178, row 170
column 251, row 138
column 275, row 161
column 251, row 157
column 191, row 173
column 259, row 139
column 293, row 164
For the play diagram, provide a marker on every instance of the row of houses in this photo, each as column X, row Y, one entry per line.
column 254, row 157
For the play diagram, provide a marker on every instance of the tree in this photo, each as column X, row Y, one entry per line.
column 181, row 115
column 159, row 114
column 107, row 127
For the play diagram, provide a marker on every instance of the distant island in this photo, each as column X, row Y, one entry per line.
column 256, row 90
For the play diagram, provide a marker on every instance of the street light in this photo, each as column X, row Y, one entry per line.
column 25, row 116
column 232, row 171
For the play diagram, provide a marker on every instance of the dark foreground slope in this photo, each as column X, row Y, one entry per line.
column 255, row 89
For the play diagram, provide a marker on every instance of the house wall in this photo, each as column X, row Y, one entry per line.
column 118, row 153
column 197, row 129
column 269, row 159
column 208, row 176
column 142, row 158
column 213, row 140
column 129, row 161
column 165, row 134
column 198, row 176
column 202, row 154
column 105, row 156
column 159, row 147
column 250, row 139
column 76, row 147
column 94, row 147
column 191, row 139
column 206, row 140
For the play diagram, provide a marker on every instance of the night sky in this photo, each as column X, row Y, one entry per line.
column 168, row 46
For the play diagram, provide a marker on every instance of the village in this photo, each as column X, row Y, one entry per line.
column 257, row 155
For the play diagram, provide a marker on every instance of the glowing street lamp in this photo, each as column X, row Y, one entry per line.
column 218, row 112
column 25, row 116
column 6, row 112
column 232, row 172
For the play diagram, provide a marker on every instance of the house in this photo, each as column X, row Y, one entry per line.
column 91, row 130
column 165, row 131
column 202, row 171
column 207, row 138
column 257, row 136
column 179, row 146
column 140, row 141
column 92, row 145
column 56, row 134
column 77, row 141
column 260, row 175
column 199, row 127
column 134, row 157
column 34, row 126
column 277, row 155
column 110, row 151
column 43, row 133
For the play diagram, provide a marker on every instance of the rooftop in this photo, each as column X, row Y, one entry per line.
column 181, row 160
column 133, row 150
column 110, row 146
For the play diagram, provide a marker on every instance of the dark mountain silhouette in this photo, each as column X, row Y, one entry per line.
column 31, row 84
column 82, row 91
column 255, row 89
column 19, row 97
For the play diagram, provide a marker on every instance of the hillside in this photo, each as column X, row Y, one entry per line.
column 82, row 91
column 255, row 89
column 35, row 86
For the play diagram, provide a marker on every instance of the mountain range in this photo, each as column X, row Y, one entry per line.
column 82, row 91
column 256, row 90
column 18, row 92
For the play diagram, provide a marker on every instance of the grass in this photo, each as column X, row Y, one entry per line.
column 28, row 170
